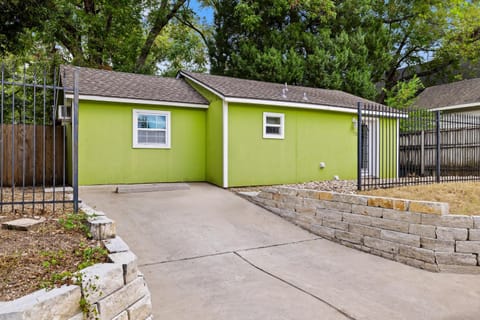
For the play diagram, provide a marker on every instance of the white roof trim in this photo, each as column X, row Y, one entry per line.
column 215, row 92
column 458, row 106
column 312, row 106
column 138, row 101
column 290, row 104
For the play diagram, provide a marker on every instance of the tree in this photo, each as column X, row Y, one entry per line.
column 349, row 45
column 123, row 35
column 289, row 41
column 402, row 97
column 429, row 38
column 181, row 48
column 403, row 94
column 17, row 16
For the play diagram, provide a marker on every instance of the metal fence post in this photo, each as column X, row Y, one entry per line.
column 437, row 158
column 359, row 147
column 75, row 141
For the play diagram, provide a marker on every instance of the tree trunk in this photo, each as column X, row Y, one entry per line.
column 163, row 16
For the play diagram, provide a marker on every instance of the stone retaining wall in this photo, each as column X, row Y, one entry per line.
column 418, row 233
column 114, row 290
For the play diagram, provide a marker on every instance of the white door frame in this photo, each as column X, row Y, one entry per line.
column 373, row 138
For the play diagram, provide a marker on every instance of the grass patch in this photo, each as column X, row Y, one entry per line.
column 463, row 197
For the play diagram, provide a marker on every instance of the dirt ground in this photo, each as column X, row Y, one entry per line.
column 45, row 255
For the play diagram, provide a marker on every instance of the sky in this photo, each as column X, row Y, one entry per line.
column 203, row 13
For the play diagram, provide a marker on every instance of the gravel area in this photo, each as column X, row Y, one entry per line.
column 340, row 186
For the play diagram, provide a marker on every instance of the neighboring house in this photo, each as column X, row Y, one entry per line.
column 459, row 97
column 227, row 131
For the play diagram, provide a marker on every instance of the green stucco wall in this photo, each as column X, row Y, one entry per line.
column 388, row 148
column 311, row 137
column 106, row 155
column 214, row 136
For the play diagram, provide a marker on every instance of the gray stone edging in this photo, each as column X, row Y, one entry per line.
column 421, row 234
column 114, row 290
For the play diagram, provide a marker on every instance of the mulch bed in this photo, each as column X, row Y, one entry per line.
column 29, row 259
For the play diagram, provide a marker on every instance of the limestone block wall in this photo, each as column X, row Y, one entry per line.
column 418, row 233
column 115, row 290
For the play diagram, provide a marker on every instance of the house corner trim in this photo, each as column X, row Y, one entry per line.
column 225, row 142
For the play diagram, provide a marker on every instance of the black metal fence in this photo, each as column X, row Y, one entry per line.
column 416, row 147
column 38, row 167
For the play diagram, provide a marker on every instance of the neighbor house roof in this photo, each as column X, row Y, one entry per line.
column 104, row 85
column 241, row 90
column 460, row 94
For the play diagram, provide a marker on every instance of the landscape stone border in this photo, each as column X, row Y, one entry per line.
column 115, row 290
column 421, row 234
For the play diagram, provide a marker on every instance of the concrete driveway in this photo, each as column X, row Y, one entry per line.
column 208, row 254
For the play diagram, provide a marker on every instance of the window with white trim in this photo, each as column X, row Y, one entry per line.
column 273, row 125
column 151, row 129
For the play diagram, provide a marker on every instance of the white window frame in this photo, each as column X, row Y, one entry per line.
column 281, row 135
column 166, row 145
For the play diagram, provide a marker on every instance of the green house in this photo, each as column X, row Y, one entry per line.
column 227, row 131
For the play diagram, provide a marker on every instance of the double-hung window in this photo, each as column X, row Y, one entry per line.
column 151, row 129
column 273, row 125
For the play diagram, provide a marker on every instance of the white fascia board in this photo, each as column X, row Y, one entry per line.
column 225, row 142
column 458, row 106
column 300, row 105
column 290, row 104
column 215, row 92
column 383, row 114
column 138, row 101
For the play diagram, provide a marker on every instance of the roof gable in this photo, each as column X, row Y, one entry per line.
column 461, row 93
column 106, row 84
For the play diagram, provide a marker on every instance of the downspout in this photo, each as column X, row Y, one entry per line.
column 225, row 142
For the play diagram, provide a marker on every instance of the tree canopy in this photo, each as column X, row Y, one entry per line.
column 342, row 44
column 124, row 35
column 351, row 45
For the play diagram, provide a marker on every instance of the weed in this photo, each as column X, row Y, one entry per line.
column 76, row 222
column 90, row 255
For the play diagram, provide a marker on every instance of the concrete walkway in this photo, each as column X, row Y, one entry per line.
column 208, row 254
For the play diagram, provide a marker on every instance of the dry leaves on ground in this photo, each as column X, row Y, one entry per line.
column 43, row 255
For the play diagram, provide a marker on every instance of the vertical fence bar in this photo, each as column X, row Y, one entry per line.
column 1, row 138
column 64, row 155
column 24, row 136
column 44, row 134
column 12, row 162
column 53, row 116
column 34, row 182
column 437, row 159
column 476, row 148
column 75, row 140
column 359, row 146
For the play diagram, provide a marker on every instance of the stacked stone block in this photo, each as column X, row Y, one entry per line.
column 115, row 290
column 418, row 233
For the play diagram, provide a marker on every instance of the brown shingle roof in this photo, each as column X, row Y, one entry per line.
column 260, row 90
column 450, row 94
column 114, row 84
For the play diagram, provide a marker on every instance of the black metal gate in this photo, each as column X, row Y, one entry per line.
column 416, row 146
column 38, row 140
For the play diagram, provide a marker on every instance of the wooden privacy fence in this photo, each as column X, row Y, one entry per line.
column 459, row 152
column 32, row 155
